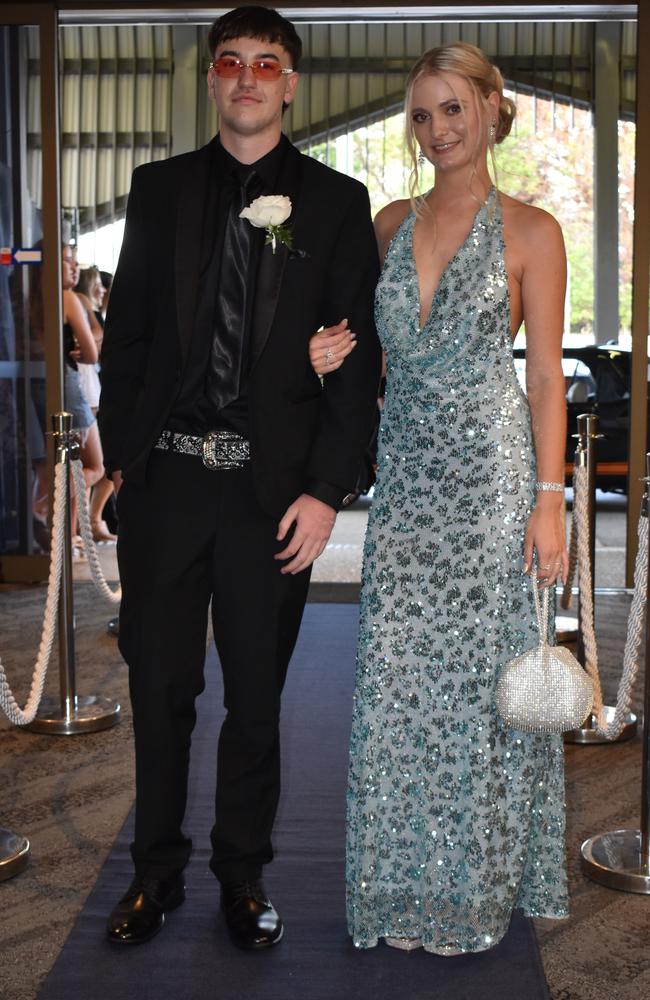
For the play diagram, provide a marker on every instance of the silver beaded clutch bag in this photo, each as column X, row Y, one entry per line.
column 544, row 690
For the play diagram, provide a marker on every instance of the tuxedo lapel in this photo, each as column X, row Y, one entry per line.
column 272, row 265
column 189, row 228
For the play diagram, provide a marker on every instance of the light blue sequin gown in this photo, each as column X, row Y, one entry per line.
column 453, row 820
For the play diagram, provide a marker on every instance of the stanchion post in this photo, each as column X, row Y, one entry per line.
column 586, row 454
column 14, row 854
column 72, row 714
column 65, row 450
column 586, row 457
column 645, row 765
column 620, row 859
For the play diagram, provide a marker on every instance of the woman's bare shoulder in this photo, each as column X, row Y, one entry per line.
column 73, row 310
column 528, row 223
column 71, row 302
column 389, row 219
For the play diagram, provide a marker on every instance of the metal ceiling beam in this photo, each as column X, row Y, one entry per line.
column 197, row 13
column 399, row 65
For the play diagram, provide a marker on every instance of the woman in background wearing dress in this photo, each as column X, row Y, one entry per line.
column 79, row 347
column 90, row 291
column 454, row 820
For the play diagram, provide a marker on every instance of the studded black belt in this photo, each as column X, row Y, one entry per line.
column 220, row 449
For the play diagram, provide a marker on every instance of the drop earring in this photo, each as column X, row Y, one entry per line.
column 492, row 131
column 421, row 160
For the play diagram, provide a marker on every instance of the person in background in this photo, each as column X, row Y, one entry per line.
column 107, row 282
column 113, row 624
column 90, row 296
column 79, row 347
column 90, row 292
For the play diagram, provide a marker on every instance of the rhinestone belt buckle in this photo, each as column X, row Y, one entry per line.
column 224, row 450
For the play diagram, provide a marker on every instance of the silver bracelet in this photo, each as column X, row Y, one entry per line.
column 549, row 487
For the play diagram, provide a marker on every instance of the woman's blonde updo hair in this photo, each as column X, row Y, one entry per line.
column 472, row 65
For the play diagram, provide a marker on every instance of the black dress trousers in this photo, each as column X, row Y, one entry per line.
column 188, row 536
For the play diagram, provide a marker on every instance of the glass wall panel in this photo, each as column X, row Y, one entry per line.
column 23, row 485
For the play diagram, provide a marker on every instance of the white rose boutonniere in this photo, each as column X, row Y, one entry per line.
column 270, row 212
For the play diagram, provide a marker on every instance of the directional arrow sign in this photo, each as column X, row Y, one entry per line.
column 28, row 256
column 20, row 255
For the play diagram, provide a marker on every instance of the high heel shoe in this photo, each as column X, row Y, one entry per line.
column 404, row 944
column 101, row 532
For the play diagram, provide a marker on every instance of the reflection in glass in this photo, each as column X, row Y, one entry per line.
column 23, row 487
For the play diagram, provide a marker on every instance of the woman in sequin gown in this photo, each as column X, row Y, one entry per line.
column 454, row 820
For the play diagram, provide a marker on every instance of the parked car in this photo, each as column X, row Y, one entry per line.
column 598, row 381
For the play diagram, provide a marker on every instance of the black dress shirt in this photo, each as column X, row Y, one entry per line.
column 192, row 412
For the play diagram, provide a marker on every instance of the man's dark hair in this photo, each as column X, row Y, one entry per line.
column 256, row 22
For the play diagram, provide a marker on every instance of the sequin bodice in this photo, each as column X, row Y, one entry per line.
column 453, row 820
column 457, row 372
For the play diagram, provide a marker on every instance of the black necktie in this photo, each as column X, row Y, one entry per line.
column 232, row 307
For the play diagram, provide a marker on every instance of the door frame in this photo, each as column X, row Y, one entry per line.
column 44, row 16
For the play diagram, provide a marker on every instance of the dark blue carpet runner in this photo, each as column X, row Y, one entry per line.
column 192, row 958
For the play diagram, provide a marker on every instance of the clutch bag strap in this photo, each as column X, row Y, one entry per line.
column 541, row 608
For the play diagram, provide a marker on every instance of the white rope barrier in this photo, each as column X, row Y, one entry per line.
column 83, row 513
column 22, row 717
column 610, row 731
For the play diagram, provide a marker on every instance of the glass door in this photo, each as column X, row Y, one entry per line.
column 29, row 287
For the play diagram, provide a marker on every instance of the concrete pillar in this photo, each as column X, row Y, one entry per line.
column 184, row 89
column 606, row 107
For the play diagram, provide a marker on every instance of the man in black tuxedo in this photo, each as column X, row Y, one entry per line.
column 231, row 456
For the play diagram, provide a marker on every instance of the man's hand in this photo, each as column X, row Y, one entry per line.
column 314, row 521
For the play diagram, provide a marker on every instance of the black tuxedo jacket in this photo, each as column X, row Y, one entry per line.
column 298, row 430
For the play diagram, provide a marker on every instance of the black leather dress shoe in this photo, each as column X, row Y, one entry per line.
column 253, row 921
column 140, row 913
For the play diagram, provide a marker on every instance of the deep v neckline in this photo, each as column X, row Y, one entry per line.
column 422, row 326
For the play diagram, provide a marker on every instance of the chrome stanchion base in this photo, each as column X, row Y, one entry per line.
column 589, row 734
column 90, row 715
column 614, row 859
column 14, row 854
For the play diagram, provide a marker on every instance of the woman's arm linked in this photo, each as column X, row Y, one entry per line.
column 329, row 348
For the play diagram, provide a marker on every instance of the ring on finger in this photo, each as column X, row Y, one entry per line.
column 329, row 356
